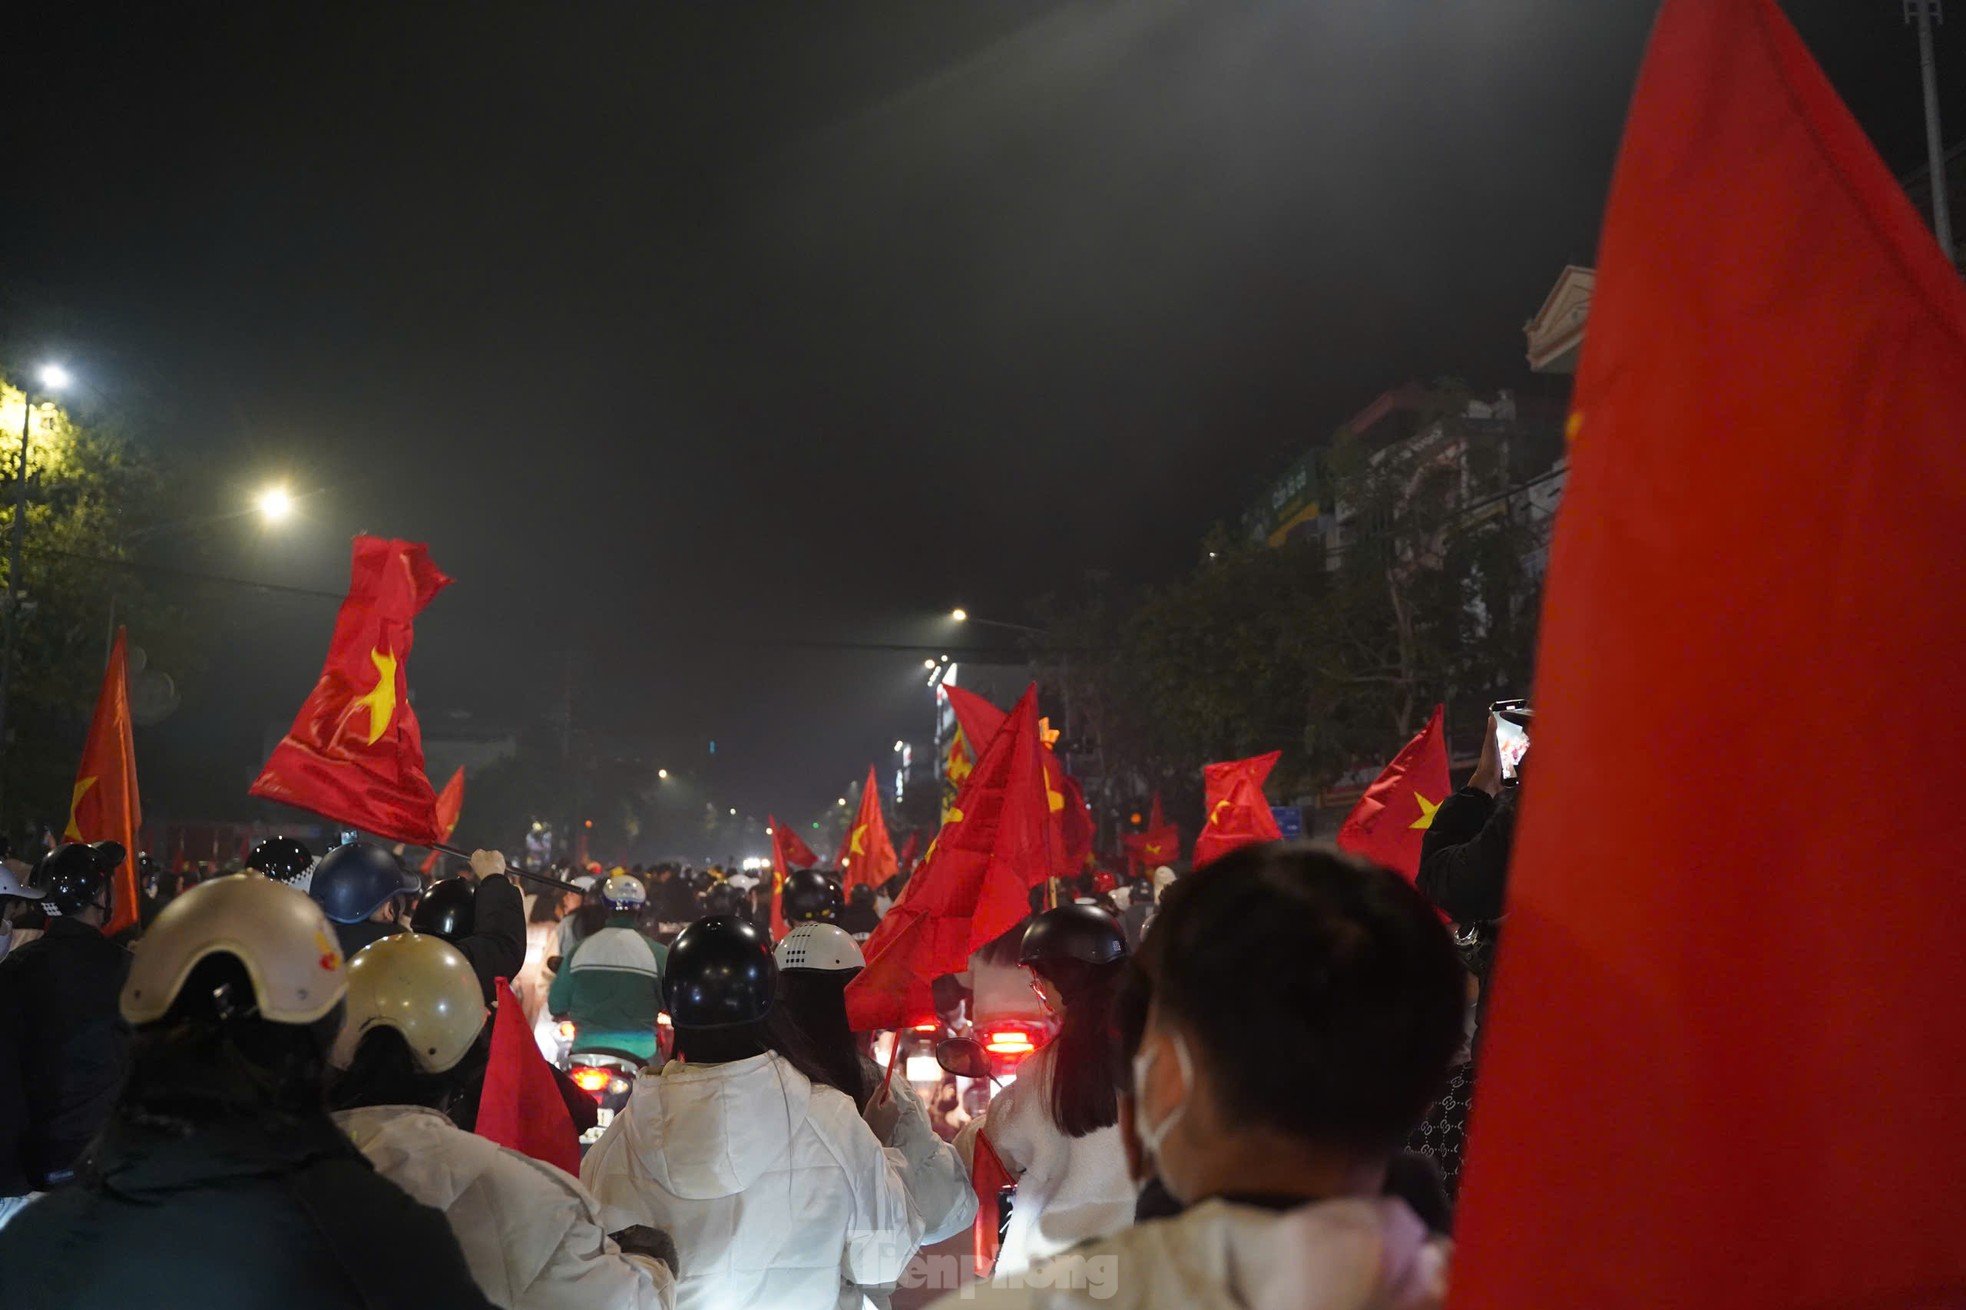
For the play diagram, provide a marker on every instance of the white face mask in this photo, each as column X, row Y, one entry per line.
column 1152, row 1135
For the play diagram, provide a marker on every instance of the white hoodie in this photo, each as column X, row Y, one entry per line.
column 1332, row 1255
column 1068, row 1188
column 532, row 1236
column 774, row 1190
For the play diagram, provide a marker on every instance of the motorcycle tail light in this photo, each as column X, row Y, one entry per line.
column 593, row 1081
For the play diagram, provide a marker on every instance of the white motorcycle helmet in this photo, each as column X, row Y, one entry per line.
column 13, row 881
column 421, row 986
column 624, row 892
column 821, row 947
column 279, row 935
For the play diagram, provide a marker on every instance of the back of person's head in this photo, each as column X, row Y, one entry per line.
column 1318, row 996
column 414, row 1009
column 235, row 994
column 815, row 963
column 1081, row 952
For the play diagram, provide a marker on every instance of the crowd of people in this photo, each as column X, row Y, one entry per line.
column 267, row 1092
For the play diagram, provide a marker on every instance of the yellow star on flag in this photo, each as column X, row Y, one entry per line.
column 1427, row 808
column 381, row 700
column 73, row 832
column 1215, row 815
column 858, row 846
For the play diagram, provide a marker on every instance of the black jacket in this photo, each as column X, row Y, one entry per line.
column 1464, row 869
column 352, row 937
column 239, row 1216
column 497, row 944
column 62, row 1051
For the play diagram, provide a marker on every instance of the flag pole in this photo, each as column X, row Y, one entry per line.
column 544, row 880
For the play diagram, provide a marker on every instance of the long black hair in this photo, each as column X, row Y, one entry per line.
column 213, row 1059
column 815, row 1000
column 776, row 1032
column 384, row 1072
column 1086, row 1067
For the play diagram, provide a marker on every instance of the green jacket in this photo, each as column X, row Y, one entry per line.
column 612, row 990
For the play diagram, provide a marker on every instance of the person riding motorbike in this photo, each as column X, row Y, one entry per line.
column 283, row 859
column 364, row 890
column 1055, row 1128
column 62, row 1049
column 775, row 1190
column 219, row 1177
column 531, row 1235
column 611, row 990
column 812, row 896
column 484, row 918
column 815, row 963
column 18, row 895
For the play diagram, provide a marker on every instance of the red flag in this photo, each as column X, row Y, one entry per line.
column 450, row 806
column 788, row 852
column 1159, row 844
column 1391, row 820
column 973, row 885
column 521, row 1107
column 1238, row 812
column 976, row 718
column 909, row 849
column 355, row 752
column 1726, row 1033
column 989, row 1177
column 104, row 805
column 866, row 854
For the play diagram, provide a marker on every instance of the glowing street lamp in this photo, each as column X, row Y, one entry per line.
column 959, row 614
column 275, row 504
column 662, row 774
column 53, row 378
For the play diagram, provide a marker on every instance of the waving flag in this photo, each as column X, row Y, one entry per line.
column 355, row 752
column 1158, row 844
column 1238, row 812
column 866, row 856
column 788, row 852
column 521, row 1107
column 1724, row 1051
column 104, row 805
column 450, row 808
column 973, row 886
column 1391, row 820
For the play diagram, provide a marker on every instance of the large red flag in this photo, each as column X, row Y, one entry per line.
column 1725, row 1050
column 521, row 1106
column 867, row 853
column 972, row 887
column 104, row 806
column 788, row 852
column 1238, row 812
column 450, row 808
column 355, row 752
column 1391, row 820
column 1071, row 819
column 976, row 718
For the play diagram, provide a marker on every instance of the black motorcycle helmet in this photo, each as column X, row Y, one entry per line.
column 281, row 858
column 1073, row 932
column 697, row 880
column 721, row 899
column 812, row 896
column 449, row 910
column 352, row 882
column 75, row 876
column 719, row 974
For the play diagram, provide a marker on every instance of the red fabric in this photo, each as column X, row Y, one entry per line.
column 989, row 1177
column 450, row 807
column 866, row 853
column 972, row 887
column 1158, row 844
column 976, row 718
column 521, row 1107
column 788, row 852
column 1391, row 820
column 1156, row 816
column 355, row 752
column 1238, row 812
column 909, row 849
column 104, row 805
column 1722, row 1064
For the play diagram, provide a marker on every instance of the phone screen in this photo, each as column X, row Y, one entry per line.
column 1511, row 744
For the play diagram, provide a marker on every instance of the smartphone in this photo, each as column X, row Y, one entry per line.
column 1512, row 718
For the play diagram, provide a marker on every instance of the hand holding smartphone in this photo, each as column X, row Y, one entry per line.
column 1511, row 719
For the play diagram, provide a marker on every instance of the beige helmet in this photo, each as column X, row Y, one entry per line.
column 421, row 986
column 277, row 933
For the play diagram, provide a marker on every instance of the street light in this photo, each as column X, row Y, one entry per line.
column 275, row 504
column 901, row 745
column 959, row 614
column 662, row 774
column 53, row 378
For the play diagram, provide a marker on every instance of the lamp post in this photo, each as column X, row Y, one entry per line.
column 1921, row 13
column 53, row 378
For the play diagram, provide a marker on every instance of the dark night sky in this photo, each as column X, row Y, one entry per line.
column 677, row 328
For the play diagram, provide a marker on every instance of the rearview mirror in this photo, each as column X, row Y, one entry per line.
column 962, row 1057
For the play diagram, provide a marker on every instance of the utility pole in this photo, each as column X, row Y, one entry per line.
column 53, row 378
column 1924, row 13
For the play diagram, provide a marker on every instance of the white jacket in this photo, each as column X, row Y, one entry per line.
column 1332, row 1255
column 774, row 1190
column 1068, row 1188
column 938, row 1181
column 532, row 1236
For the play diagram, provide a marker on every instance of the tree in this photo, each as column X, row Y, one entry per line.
column 87, row 486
